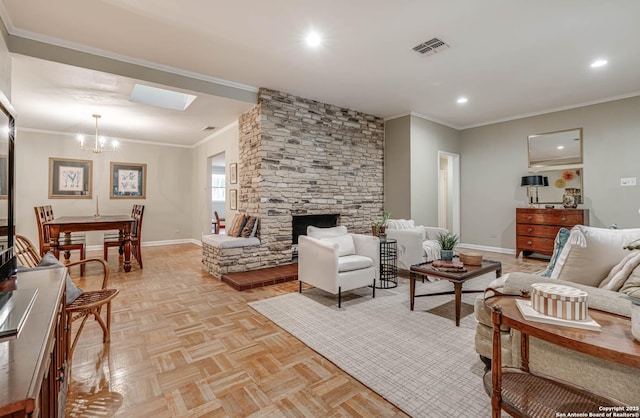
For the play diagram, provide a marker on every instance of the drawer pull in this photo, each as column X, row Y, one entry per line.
column 529, row 218
column 60, row 378
column 564, row 219
column 529, row 229
column 529, row 242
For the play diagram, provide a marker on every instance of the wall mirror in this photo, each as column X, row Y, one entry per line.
column 561, row 182
column 555, row 148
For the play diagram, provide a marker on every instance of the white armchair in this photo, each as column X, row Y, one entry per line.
column 416, row 244
column 334, row 260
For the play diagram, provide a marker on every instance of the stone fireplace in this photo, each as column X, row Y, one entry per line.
column 299, row 224
column 300, row 158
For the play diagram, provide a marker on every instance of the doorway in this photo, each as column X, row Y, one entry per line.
column 449, row 191
column 217, row 188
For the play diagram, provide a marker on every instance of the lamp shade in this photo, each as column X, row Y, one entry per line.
column 534, row 181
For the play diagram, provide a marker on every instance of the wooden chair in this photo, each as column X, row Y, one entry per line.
column 219, row 222
column 87, row 304
column 136, row 237
column 67, row 243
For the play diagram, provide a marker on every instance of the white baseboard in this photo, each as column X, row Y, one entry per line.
column 487, row 248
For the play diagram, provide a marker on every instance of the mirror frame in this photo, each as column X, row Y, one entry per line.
column 551, row 136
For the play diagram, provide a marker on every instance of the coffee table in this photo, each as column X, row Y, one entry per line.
column 457, row 278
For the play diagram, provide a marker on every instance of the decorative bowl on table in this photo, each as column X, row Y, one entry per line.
column 471, row 259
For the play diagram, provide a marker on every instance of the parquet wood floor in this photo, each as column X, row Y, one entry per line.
column 184, row 344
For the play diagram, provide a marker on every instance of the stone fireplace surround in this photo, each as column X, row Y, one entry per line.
column 303, row 157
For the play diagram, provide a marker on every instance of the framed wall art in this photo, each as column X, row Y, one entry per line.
column 128, row 181
column 233, row 173
column 233, row 199
column 70, row 179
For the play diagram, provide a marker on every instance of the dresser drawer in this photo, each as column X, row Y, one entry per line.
column 542, row 231
column 550, row 218
column 539, row 245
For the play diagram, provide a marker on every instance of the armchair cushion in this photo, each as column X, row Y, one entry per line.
column 49, row 261
column 353, row 262
column 400, row 224
column 345, row 244
column 319, row 233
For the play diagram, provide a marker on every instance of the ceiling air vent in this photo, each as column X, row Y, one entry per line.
column 208, row 128
column 431, row 46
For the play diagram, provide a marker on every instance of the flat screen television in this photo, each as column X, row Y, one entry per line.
column 7, row 191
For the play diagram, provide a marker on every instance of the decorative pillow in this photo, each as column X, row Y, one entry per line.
column 319, row 233
column 345, row 244
column 632, row 286
column 247, row 229
column 254, row 231
column 621, row 272
column 232, row 225
column 591, row 252
column 237, row 228
column 72, row 292
column 400, row 224
column 558, row 244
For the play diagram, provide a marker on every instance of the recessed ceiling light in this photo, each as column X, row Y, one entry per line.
column 598, row 63
column 462, row 100
column 313, row 39
column 560, row 146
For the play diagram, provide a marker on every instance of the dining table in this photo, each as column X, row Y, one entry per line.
column 69, row 224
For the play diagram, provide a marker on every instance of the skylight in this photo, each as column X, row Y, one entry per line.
column 158, row 97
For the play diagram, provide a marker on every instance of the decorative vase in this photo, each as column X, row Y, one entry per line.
column 635, row 320
column 446, row 255
column 571, row 198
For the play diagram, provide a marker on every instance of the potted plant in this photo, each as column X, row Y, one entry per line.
column 378, row 227
column 447, row 244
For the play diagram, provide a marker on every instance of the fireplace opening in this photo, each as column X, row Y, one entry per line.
column 301, row 222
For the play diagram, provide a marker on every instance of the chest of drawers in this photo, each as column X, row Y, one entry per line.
column 536, row 228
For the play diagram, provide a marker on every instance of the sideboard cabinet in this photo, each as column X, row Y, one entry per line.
column 33, row 366
column 536, row 228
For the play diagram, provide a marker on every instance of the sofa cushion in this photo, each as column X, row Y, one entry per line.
column 590, row 253
column 558, row 245
column 345, row 244
column 632, row 286
column 319, row 233
column 621, row 271
column 400, row 224
column 353, row 262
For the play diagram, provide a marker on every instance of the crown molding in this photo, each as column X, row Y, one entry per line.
column 127, row 140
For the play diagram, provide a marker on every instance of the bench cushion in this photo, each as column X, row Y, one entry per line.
column 225, row 241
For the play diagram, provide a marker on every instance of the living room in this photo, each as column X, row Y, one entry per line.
column 404, row 174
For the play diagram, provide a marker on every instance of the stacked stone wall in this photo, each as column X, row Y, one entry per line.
column 300, row 156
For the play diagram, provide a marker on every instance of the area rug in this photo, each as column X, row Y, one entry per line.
column 420, row 362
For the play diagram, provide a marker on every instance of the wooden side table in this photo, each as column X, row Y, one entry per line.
column 522, row 393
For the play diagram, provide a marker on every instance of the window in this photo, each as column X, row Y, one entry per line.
column 218, row 187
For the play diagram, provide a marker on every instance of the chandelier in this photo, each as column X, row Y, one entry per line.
column 100, row 142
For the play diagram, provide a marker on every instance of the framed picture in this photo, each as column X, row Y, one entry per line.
column 233, row 199
column 233, row 173
column 128, row 181
column 4, row 176
column 70, row 179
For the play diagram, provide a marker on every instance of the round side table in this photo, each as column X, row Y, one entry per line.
column 388, row 264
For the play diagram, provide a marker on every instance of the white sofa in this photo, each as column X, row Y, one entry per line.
column 593, row 259
column 416, row 243
column 334, row 260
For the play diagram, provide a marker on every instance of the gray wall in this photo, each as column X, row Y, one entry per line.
column 226, row 140
column 411, row 166
column 169, row 185
column 5, row 64
column 494, row 158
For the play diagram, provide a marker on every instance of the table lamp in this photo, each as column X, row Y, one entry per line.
column 535, row 182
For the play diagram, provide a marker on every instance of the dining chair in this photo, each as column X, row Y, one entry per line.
column 117, row 240
column 66, row 243
column 219, row 222
column 89, row 303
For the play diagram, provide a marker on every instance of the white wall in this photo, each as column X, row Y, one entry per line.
column 5, row 65
column 495, row 157
column 226, row 140
column 168, row 203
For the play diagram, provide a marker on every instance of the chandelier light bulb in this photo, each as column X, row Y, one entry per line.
column 100, row 142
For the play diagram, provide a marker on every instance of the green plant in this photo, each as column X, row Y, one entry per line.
column 447, row 241
column 380, row 224
column 632, row 247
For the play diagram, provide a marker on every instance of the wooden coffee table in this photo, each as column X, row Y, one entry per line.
column 423, row 270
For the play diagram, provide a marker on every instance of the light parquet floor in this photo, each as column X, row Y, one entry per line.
column 184, row 344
